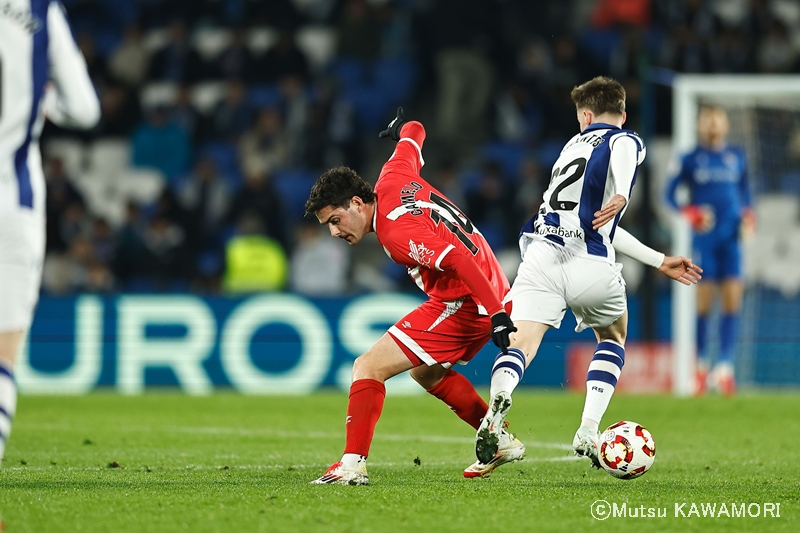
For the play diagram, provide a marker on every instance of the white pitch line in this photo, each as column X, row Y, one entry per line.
column 378, row 464
column 314, row 435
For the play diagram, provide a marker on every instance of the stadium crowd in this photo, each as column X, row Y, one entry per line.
column 218, row 115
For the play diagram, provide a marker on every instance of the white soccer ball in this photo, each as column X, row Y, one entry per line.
column 627, row 450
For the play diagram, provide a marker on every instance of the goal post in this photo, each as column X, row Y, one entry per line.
column 689, row 91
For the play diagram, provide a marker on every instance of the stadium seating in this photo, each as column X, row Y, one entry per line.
column 294, row 186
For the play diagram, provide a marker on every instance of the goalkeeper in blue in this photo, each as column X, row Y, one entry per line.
column 568, row 260
column 719, row 211
column 42, row 75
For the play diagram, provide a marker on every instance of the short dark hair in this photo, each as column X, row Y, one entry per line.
column 336, row 187
column 600, row 95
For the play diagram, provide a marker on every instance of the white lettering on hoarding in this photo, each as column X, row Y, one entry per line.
column 183, row 355
column 358, row 333
column 82, row 375
column 253, row 314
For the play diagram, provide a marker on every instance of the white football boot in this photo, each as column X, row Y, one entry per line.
column 487, row 440
column 587, row 444
column 510, row 449
column 337, row 474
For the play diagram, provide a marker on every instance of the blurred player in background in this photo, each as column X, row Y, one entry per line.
column 42, row 74
column 450, row 261
column 568, row 260
column 719, row 211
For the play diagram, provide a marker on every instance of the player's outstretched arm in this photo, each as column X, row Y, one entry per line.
column 410, row 136
column 679, row 268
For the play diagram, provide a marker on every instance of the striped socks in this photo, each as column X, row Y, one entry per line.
column 8, row 404
column 507, row 371
column 604, row 371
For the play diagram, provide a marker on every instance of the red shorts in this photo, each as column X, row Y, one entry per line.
column 442, row 333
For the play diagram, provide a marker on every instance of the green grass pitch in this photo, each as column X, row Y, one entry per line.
column 168, row 462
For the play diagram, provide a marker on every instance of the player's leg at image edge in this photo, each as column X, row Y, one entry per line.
column 8, row 404
column 10, row 343
column 494, row 445
column 601, row 380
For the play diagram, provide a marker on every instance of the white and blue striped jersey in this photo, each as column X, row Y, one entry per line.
column 42, row 73
column 596, row 164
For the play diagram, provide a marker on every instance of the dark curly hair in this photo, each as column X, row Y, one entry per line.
column 336, row 187
column 600, row 95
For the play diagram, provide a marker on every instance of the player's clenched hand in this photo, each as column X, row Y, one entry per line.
column 608, row 211
column 681, row 269
column 393, row 130
column 502, row 328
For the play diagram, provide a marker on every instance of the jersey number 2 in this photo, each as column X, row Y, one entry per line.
column 565, row 205
column 462, row 226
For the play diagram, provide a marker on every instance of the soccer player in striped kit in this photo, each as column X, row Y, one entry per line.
column 719, row 211
column 568, row 261
column 42, row 75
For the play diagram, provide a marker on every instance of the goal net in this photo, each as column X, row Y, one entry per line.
column 764, row 113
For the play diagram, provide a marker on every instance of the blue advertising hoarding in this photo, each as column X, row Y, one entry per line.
column 263, row 344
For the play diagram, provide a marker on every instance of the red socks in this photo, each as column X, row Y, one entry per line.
column 458, row 393
column 363, row 411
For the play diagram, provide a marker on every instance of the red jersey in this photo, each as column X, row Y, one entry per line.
column 420, row 228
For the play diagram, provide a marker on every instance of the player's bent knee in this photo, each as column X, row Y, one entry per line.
column 428, row 376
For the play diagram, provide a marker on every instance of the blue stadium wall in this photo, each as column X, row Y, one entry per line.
column 263, row 344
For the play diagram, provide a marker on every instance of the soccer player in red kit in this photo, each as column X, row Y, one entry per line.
column 450, row 261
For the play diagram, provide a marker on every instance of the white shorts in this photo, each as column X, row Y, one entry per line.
column 22, row 244
column 550, row 279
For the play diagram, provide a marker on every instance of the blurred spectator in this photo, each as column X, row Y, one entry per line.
column 120, row 112
column 74, row 223
column 236, row 62
column 94, row 63
column 259, row 196
column 732, row 51
column 178, row 61
column 776, row 54
column 313, row 249
column 130, row 61
column 253, row 261
column 529, row 192
column 206, row 199
column 283, row 59
column 621, row 13
column 129, row 260
column 295, row 110
column 318, row 11
column 315, row 141
column 275, row 13
column 358, row 33
column 169, row 207
column 161, row 144
column 488, row 206
column 61, row 196
column 264, row 147
column 446, row 180
column 183, row 112
column 461, row 34
column 76, row 271
column 165, row 253
column 231, row 116
column 102, row 242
